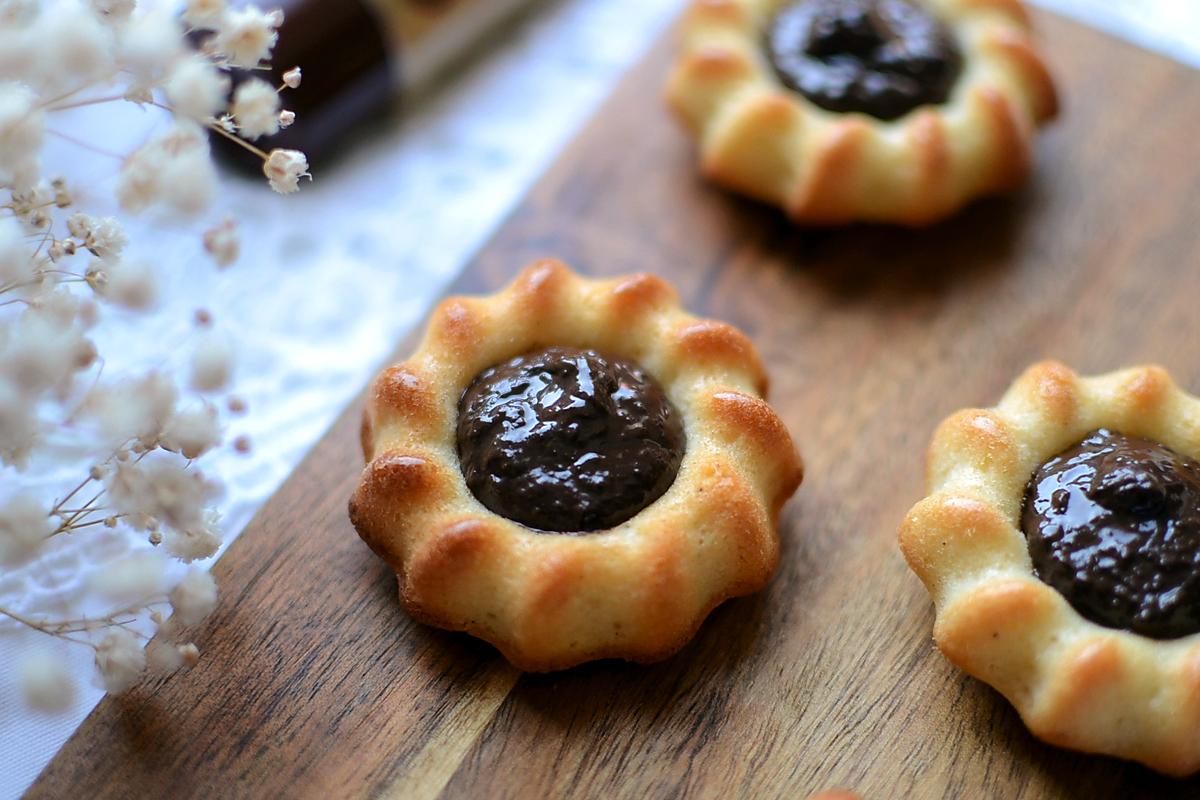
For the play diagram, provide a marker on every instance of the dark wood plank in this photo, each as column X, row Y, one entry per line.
column 314, row 683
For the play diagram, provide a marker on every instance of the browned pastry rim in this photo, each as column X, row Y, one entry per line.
column 638, row 591
column 1076, row 684
column 764, row 140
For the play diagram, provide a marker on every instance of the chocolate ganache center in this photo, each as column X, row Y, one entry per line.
column 878, row 57
column 568, row 440
column 1113, row 524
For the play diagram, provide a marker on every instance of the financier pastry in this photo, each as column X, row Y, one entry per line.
column 1061, row 544
column 574, row 469
column 894, row 111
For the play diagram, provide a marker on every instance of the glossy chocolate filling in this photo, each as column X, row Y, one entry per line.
column 878, row 57
column 1113, row 524
column 568, row 440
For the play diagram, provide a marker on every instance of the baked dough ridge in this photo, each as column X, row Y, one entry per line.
column 548, row 601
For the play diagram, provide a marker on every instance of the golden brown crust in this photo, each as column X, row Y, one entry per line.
column 761, row 139
column 550, row 601
column 1076, row 684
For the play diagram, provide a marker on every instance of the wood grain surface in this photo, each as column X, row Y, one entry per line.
column 315, row 684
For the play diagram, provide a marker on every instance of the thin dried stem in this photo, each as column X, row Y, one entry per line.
column 58, row 506
column 258, row 151
column 91, row 101
column 85, row 144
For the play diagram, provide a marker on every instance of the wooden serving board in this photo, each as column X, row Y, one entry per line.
column 315, row 684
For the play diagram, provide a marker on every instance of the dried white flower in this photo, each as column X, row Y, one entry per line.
column 149, row 45
column 129, row 284
column 286, row 118
column 192, row 432
column 24, row 527
column 16, row 260
column 46, row 683
column 19, row 429
column 41, row 350
column 120, row 659
column 246, row 36
column 197, row 89
column 162, row 489
column 172, row 169
column 256, row 109
column 291, row 78
column 107, row 238
column 204, row 15
column 284, row 169
column 194, row 598
column 223, row 243
column 74, row 47
column 212, row 363
column 21, row 128
column 134, row 410
column 198, row 542
column 137, row 578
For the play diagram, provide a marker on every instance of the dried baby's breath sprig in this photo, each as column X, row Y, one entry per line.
column 62, row 267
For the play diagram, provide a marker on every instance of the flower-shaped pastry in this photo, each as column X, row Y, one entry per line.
column 1061, row 544
column 884, row 110
column 574, row 469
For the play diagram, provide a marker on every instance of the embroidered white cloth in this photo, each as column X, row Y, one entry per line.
column 331, row 278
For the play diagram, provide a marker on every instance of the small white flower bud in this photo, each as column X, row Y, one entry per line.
column 62, row 198
column 190, row 653
column 291, row 78
column 286, row 118
column 96, row 278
